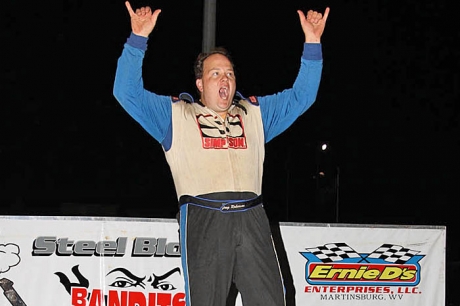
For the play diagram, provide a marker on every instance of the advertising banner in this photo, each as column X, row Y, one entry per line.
column 90, row 261
column 366, row 265
column 95, row 261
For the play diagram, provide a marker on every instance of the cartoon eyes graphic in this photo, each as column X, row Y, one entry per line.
column 166, row 286
column 126, row 283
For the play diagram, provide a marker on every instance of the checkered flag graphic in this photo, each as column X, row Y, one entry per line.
column 334, row 252
column 393, row 253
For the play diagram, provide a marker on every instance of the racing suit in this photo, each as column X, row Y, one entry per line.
column 217, row 167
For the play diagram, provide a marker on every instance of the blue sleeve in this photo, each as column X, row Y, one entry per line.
column 280, row 110
column 151, row 111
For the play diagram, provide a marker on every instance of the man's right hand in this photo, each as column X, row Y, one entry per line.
column 143, row 21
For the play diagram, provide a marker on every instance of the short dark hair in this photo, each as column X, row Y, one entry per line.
column 198, row 67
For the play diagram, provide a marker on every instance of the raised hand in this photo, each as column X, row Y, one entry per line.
column 143, row 20
column 313, row 24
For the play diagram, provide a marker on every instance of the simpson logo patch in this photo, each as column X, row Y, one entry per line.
column 217, row 135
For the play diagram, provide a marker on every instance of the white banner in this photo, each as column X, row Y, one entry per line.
column 83, row 261
column 366, row 265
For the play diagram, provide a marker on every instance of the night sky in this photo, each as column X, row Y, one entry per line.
column 388, row 106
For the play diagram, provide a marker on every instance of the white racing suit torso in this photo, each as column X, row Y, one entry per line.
column 210, row 154
column 217, row 167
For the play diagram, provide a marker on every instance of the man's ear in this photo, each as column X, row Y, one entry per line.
column 199, row 84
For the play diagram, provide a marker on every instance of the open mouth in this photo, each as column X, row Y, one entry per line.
column 223, row 93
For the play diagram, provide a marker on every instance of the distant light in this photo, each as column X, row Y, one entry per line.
column 324, row 147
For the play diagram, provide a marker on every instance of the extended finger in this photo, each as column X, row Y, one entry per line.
column 326, row 14
column 130, row 9
column 155, row 15
column 301, row 15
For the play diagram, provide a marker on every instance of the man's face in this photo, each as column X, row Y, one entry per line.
column 218, row 84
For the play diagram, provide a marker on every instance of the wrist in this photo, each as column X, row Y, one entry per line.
column 312, row 40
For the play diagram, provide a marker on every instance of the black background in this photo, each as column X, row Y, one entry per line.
column 388, row 105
